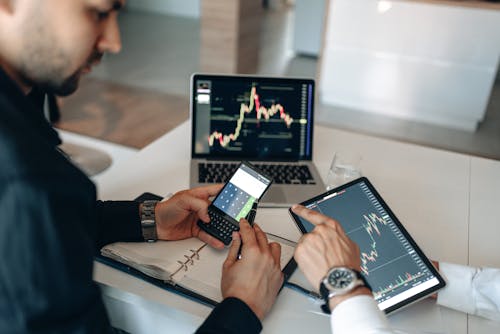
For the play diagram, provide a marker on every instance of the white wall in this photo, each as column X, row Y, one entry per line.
column 186, row 8
column 416, row 60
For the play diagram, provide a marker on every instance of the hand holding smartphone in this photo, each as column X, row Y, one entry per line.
column 236, row 199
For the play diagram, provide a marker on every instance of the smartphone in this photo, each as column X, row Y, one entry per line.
column 246, row 186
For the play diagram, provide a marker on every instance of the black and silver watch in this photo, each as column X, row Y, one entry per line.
column 148, row 221
column 339, row 281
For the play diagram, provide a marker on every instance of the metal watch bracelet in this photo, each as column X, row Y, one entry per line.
column 148, row 221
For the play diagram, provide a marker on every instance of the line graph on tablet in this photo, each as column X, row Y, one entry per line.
column 371, row 228
column 388, row 261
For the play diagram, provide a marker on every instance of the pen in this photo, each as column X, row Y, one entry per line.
column 252, row 213
column 250, row 219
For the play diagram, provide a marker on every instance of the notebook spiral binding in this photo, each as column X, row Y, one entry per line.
column 195, row 255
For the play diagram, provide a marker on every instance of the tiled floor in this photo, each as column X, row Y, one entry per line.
column 160, row 53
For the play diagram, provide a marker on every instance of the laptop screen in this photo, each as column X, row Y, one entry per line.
column 251, row 118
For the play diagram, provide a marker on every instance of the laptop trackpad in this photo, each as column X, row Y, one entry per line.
column 275, row 194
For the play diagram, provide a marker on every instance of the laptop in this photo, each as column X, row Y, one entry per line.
column 265, row 120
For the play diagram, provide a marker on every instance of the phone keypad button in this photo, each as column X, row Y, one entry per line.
column 221, row 228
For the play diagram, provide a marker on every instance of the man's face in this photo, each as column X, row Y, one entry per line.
column 62, row 39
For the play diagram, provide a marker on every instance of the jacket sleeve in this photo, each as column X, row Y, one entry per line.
column 117, row 221
column 231, row 316
column 47, row 254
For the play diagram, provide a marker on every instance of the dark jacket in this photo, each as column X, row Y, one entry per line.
column 51, row 227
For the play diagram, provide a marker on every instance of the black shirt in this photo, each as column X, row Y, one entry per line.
column 51, row 227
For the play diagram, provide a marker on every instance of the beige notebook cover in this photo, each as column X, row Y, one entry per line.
column 190, row 263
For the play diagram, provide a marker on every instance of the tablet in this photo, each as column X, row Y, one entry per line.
column 392, row 263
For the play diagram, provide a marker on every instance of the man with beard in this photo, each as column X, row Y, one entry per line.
column 51, row 224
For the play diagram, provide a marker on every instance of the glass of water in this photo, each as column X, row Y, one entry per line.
column 345, row 167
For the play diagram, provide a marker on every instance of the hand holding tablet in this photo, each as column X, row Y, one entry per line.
column 389, row 259
column 331, row 248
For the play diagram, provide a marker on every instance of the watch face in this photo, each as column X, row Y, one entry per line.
column 341, row 278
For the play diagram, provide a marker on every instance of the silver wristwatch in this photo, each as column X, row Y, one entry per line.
column 339, row 281
column 148, row 221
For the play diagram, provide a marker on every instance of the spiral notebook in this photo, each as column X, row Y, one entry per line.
column 188, row 266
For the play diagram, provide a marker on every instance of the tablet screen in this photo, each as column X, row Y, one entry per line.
column 391, row 262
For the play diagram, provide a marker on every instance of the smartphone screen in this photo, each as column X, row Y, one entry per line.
column 246, row 186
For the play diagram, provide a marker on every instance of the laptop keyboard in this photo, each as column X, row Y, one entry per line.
column 281, row 174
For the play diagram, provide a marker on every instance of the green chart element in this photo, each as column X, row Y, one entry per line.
column 246, row 209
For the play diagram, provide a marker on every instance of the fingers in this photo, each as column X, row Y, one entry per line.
column 261, row 238
column 247, row 234
column 314, row 217
column 198, row 200
column 256, row 278
column 212, row 241
column 276, row 252
column 206, row 191
column 252, row 237
column 232, row 255
column 189, row 203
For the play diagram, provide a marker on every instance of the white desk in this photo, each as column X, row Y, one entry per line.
column 453, row 195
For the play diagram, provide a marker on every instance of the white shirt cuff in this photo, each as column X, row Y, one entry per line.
column 457, row 293
column 359, row 314
column 471, row 290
